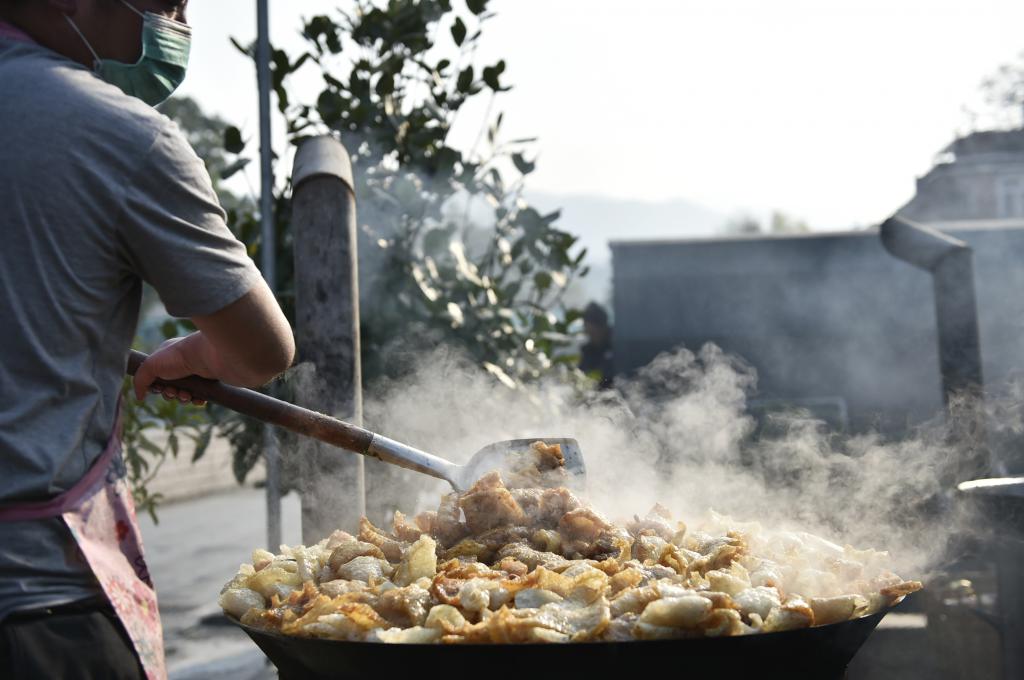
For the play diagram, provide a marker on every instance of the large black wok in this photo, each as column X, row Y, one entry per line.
column 812, row 653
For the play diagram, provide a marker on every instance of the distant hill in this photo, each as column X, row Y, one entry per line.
column 597, row 220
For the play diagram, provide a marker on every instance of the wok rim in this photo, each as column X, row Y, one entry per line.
column 872, row 619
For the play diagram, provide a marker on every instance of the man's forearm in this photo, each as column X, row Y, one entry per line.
column 247, row 343
column 195, row 354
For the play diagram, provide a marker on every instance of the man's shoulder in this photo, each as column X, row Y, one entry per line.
column 58, row 91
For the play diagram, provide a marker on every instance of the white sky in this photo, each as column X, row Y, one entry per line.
column 825, row 109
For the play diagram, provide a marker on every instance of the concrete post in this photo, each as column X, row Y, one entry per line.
column 331, row 482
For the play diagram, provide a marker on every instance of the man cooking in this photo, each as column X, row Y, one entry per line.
column 98, row 193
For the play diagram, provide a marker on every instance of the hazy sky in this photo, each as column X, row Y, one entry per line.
column 826, row 109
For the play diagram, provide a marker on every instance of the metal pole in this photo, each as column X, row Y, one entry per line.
column 267, row 253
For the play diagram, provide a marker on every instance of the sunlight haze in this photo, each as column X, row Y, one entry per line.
column 824, row 110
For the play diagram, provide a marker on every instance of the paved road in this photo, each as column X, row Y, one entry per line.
column 193, row 550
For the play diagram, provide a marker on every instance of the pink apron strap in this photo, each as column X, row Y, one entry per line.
column 11, row 32
column 58, row 505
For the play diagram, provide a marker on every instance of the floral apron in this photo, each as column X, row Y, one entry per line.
column 100, row 513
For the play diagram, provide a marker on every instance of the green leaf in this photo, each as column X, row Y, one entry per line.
column 492, row 130
column 323, row 27
column 330, row 106
column 551, row 218
column 458, row 32
column 522, row 165
column 282, row 98
column 202, row 443
column 248, row 50
column 147, row 445
column 300, row 61
column 385, row 84
column 542, row 280
column 232, row 168
column 476, row 6
column 280, row 67
column 495, row 177
column 491, row 75
column 445, row 160
column 149, row 505
column 465, row 81
column 233, row 141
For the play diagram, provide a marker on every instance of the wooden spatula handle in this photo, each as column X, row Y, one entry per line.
column 269, row 410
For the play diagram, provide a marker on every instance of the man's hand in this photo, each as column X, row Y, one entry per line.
column 170, row 361
column 247, row 344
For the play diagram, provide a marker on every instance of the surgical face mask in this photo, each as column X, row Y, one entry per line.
column 160, row 69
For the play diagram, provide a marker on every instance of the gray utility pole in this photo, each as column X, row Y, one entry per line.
column 268, row 252
column 329, row 375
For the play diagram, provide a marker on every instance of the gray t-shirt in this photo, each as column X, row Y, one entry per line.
column 98, row 193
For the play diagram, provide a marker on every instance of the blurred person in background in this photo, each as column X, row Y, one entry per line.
column 596, row 359
column 98, row 193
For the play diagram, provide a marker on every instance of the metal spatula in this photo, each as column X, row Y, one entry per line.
column 355, row 439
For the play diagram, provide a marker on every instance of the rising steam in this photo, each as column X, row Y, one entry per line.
column 679, row 433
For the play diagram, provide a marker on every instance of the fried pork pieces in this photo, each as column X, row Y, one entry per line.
column 519, row 565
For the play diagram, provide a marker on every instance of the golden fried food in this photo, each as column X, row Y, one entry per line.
column 516, row 563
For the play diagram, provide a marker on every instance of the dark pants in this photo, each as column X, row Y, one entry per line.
column 81, row 641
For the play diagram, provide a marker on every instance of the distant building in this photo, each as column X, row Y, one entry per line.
column 977, row 177
column 832, row 322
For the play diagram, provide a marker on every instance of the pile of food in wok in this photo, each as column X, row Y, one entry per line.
column 519, row 558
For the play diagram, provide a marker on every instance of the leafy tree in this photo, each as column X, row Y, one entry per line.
column 450, row 252
column 778, row 223
column 206, row 134
column 1004, row 93
column 781, row 223
column 152, row 432
column 743, row 225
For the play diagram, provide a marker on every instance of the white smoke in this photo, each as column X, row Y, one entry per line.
column 679, row 433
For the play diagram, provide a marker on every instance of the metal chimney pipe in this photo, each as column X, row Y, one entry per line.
column 950, row 261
